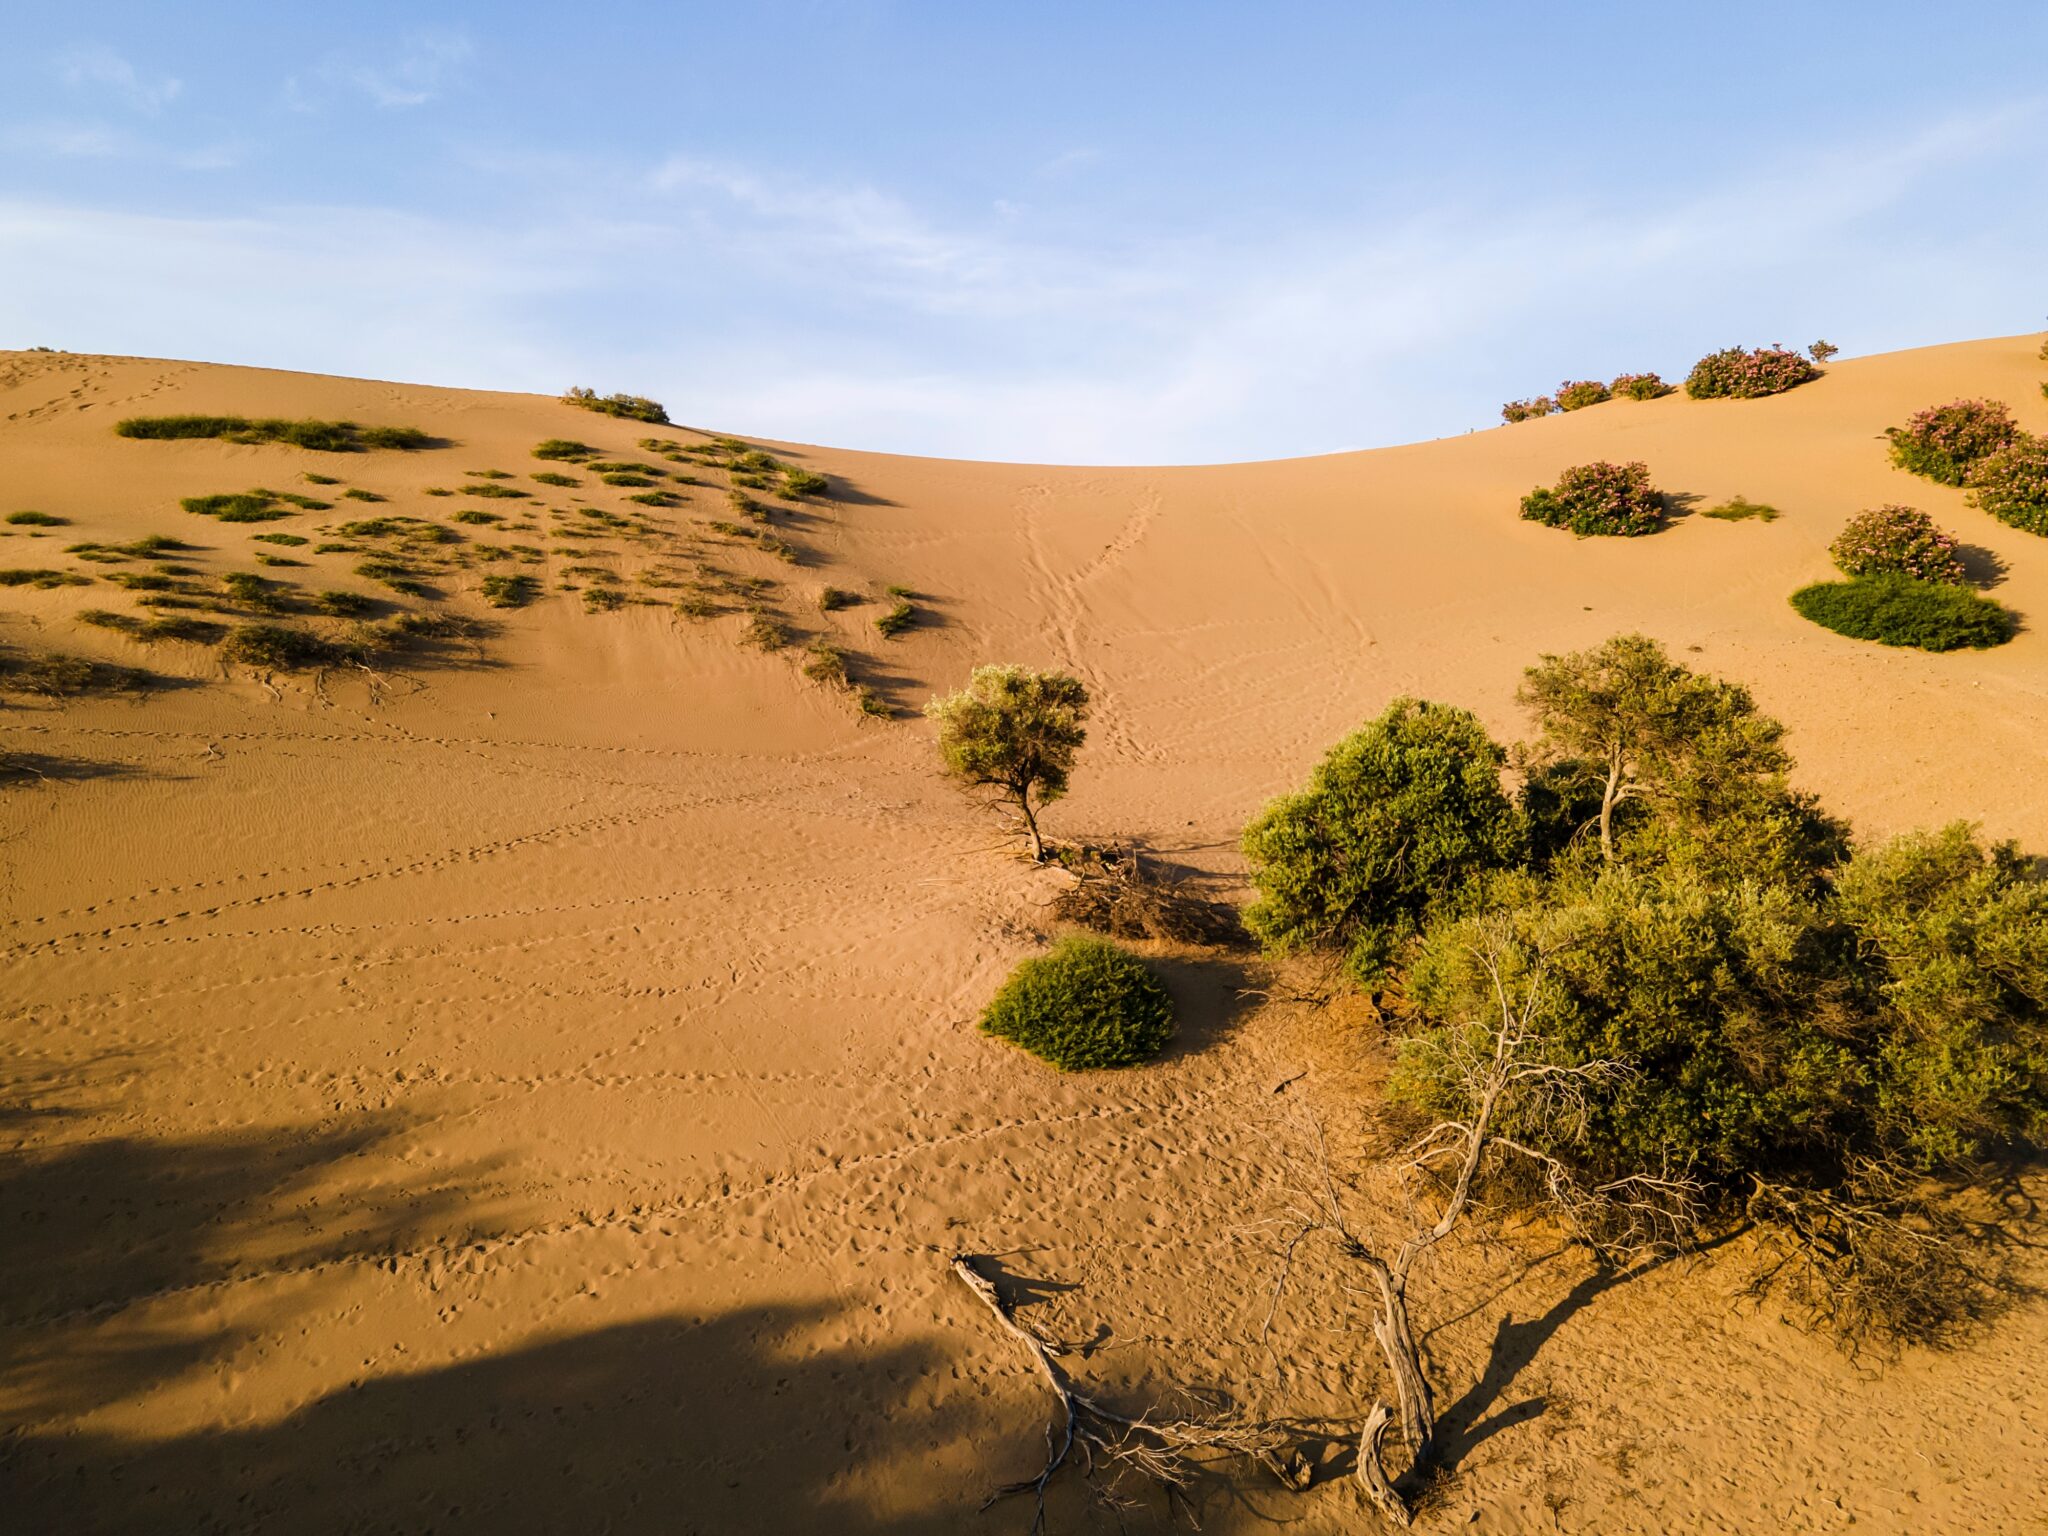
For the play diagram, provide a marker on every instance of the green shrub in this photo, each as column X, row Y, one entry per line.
column 476, row 517
column 312, row 479
column 602, row 599
column 344, row 605
column 254, row 591
column 1014, row 731
column 396, row 575
column 562, row 448
column 804, row 482
column 1577, row 394
column 279, row 648
column 1899, row 610
column 1528, row 410
column 35, row 520
column 322, row 436
column 2012, row 485
column 188, row 631
column 510, row 591
column 1740, row 509
column 357, row 493
column 1900, row 540
column 1733, row 374
column 550, row 477
column 289, row 539
column 491, row 489
column 237, row 507
column 825, row 663
column 1821, row 351
column 1599, row 499
column 624, row 477
column 105, row 618
column 40, row 577
column 899, row 618
column 1943, row 441
column 765, row 633
column 1639, row 386
column 1084, row 1004
column 831, row 598
column 1396, row 820
column 627, row 407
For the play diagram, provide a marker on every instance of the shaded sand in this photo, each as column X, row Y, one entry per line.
column 542, row 1094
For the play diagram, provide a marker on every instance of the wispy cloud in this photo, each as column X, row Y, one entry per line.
column 427, row 64
column 100, row 68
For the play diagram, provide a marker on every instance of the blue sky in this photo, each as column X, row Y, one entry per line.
column 1139, row 232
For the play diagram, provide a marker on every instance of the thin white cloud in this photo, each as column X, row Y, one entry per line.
column 100, row 68
column 428, row 64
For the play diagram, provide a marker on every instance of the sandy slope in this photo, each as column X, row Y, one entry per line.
column 541, row 1095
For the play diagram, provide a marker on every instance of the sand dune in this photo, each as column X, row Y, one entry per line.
column 538, row 1090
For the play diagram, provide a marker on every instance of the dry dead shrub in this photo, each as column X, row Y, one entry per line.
column 1117, row 893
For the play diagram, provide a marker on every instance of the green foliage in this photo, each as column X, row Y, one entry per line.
column 1900, row 540
column 40, row 577
column 35, row 520
column 563, row 448
column 1577, row 394
column 764, row 632
column 804, row 482
column 831, row 598
column 1398, row 820
column 550, row 477
column 2012, row 485
column 1943, row 441
column 1084, row 1004
column 900, row 617
column 491, row 489
column 1902, row 610
column 279, row 648
column 322, row 436
column 1599, row 499
column 1733, row 374
column 1740, row 509
column 1639, row 386
column 1014, row 731
column 825, row 663
column 514, row 591
column 627, row 407
column 237, row 507
column 1528, row 410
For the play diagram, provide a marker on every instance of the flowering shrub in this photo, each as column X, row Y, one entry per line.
column 1821, row 351
column 1577, row 394
column 1943, row 441
column 1899, row 541
column 1734, row 374
column 1599, row 498
column 2012, row 484
column 1639, row 386
column 1527, row 410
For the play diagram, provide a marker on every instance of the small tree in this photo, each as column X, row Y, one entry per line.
column 1821, row 351
column 1631, row 724
column 1016, row 732
column 1396, row 819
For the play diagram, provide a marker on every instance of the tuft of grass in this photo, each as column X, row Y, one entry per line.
column 1740, row 509
column 626, row 407
column 697, row 604
column 488, row 474
column 254, row 591
column 106, row 618
column 356, row 493
column 476, row 516
column 804, row 482
column 490, row 488
column 825, row 663
column 781, row 549
column 322, row 436
column 278, row 560
column 291, row 539
column 237, row 507
column 344, row 605
column 553, row 477
column 602, row 599
column 897, row 619
column 143, row 581
column 312, row 479
column 871, row 703
column 396, row 575
column 510, row 591
column 279, row 648
column 63, row 677
column 765, row 633
column 35, row 520
column 563, row 449
column 833, row 598
column 621, row 477
column 179, row 627
column 1903, row 610
column 657, row 499
column 40, row 578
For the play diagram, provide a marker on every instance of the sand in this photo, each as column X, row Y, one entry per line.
column 542, row 1094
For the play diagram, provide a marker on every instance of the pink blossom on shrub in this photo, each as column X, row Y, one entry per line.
column 1943, row 441
column 1528, row 410
column 1734, row 374
column 1599, row 498
column 2012, row 484
column 1577, row 394
column 1898, row 541
column 1639, row 386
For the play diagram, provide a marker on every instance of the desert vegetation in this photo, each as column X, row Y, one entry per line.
column 1013, row 733
column 2012, row 484
column 626, row 407
column 1944, row 441
column 1901, row 610
column 1577, row 394
column 1639, row 386
column 1599, row 500
column 321, row 436
column 1735, row 374
column 1085, row 1004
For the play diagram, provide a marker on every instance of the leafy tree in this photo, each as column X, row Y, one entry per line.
column 1624, row 723
column 1016, row 732
column 1398, row 818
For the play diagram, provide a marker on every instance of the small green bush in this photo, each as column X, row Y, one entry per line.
column 1084, row 1004
column 622, row 477
column 1577, row 394
column 1740, row 509
column 35, row 520
column 2012, row 485
column 804, row 482
column 237, row 507
column 279, row 648
column 292, row 539
column 357, row 493
column 550, row 477
column 764, row 633
column 1733, row 374
column 1943, row 441
column 897, row 620
column 564, row 448
column 322, row 436
column 831, row 598
column 627, row 407
column 40, row 577
column 492, row 489
column 189, row 631
column 510, row 591
column 1528, row 410
column 1901, row 610
column 825, row 663
column 1639, row 386
column 344, row 605
column 1901, row 541
column 1599, row 499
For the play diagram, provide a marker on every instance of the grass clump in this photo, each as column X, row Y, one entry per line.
column 1599, row 500
column 825, row 663
column 321, row 436
column 106, row 618
column 344, row 605
column 253, row 591
column 182, row 628
column 1740, row 509
column 899, row 618
column 312, row 479
column 554, row 477
column 291, row 540
column 563, row 449
column 626, row 407
column 35, row 520
column 765, row 633
column 357, row 493
column 490, row 489
column 279, row 648
column 1086, row 1003
column 396, row 575
column 804, row 482
column 510, row 591
column 625, row 478
column 238, row 507
column 831, row 599
column 40, row 578
column 602, row 599
column 1905, row 611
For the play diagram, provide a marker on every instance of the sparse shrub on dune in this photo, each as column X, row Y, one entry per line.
column 764, row 632
column 237, row 507
column 899, row 618
column 804, row 482
column 1898, row 541
column 1015, row 732
column 2012, row 484
column 832, row 598
column 1740, row 509
column 1904, row 611
column 1639, row 386
column 1733, row 374
column 34, row 520
column 1599, row 500
column 1943, row 441
column 550, row 477
column 514, row 591
column 1577, row 394
column 492, row 489
column 1821, row 351
column 825, row 663
column 1528, row 410
column 321, row 436
column 343, row 604
column 626, row 407
column 563, row 448
column 40, row 577
column 1085, row 1004
column 602, row 599
column 280, row 648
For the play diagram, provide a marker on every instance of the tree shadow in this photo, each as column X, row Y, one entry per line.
column 1679, row 505
column 1984, row 567
column 43, row 768
column 1209, row 998
column 767, row 1418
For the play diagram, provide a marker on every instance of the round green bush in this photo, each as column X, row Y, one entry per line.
column 1899, row 540
column 1085, row 1003
column 1639, row 386
column 1733, row 374
column 1577, row 394
column 1943, row 441
column 1599, row 499
column 2012, row 485
column 1901, row 610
